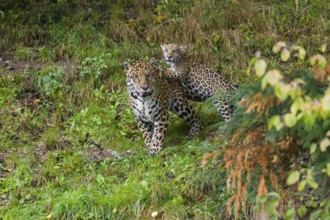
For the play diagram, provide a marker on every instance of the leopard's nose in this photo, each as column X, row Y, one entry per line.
column 144, row 87
column 169, row 56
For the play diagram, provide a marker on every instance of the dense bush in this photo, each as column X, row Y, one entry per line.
column 280, row 138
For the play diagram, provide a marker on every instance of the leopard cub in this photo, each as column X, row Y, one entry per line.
column 200, row 81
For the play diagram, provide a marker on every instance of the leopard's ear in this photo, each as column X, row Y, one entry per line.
column 125, row 65
column 183, row 48
column 163, row 46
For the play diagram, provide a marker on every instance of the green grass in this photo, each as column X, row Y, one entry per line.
column 65, row 132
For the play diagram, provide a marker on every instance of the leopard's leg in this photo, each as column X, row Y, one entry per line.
column 147, row 129
column 224, row 107
column 158, row 136
column 193, row 96
column 184, row 109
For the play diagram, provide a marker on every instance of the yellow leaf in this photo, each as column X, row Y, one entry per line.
column 328, row 169
column 301, row 185
column 328, row 134
column 278, row 46
column 260, row 67
column 282, row 90
column 325, row 143
column 285, row 54
column 290, row 120
column 301, row 52
column 160, row 18
column 323, row 47
column 293, row 177
column 318, row 60
column 272, row 77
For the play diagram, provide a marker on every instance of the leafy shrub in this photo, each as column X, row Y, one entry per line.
column 49, row 81
column 280, row 137
column 92, row 67
column 102, row 123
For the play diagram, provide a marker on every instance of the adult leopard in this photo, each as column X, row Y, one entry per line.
column 151, row 97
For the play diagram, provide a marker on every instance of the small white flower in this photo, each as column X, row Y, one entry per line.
column 154, row 214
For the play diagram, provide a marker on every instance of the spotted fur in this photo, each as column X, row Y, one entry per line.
column 200, row 81
column 151, row 97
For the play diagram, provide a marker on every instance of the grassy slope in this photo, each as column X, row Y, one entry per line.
column 64, row 138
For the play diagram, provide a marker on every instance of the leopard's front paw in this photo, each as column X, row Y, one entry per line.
column 154, row 151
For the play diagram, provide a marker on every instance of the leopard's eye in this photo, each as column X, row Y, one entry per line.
column 150, row 74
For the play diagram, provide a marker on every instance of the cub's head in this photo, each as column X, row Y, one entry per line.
column 173, row 52
column 141, row 77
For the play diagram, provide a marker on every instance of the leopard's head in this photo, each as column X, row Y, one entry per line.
column 141, row 77
column 173, row 53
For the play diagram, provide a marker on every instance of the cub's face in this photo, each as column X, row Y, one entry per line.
column 172, row 52
column 140, row 77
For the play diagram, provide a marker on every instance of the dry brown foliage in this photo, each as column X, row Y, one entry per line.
column 258, row 103
column 250, row 159
column 321, row 75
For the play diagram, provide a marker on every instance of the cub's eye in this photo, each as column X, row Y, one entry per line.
column 150, row 74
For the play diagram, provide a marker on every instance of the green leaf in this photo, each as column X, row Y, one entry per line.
column 278, row 46
column 325, row 143
column 310, row 179
column 295, row 107
column 293, row 177
column 290, row 213
column 301, row 52
column 323, row 48
column 315, row 215
column 318, row 60
column 326, row 102
column 100, row 179
column 262, row 199
column 273, row 77
column 302, row 211
column 282, row 90
column 302, row 185
column 272, row 205
column 328, row 169
column 216, row 38
column 275, row 121
column 264, row 83
column 309, row 119
column 274, row 195
column 312, row 183
column 251, row 63
column 290, row 120
column 285, row 54
column 260, row 67
column 313, row 148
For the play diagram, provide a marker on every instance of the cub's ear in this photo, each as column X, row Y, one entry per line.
column 163, row 46
column 183, row 48
column 153, row 61
column 125, row 65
